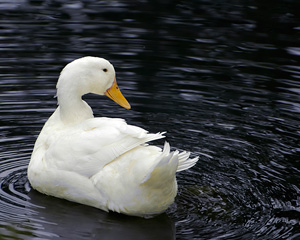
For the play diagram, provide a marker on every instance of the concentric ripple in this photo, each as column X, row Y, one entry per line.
column 17, row 210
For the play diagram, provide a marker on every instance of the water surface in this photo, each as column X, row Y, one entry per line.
column 221, row 77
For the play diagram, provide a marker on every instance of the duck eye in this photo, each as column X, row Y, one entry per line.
column 104, row 69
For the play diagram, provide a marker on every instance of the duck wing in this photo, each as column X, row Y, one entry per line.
column 88, row 147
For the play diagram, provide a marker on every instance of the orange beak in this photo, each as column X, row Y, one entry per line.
column 115, row 94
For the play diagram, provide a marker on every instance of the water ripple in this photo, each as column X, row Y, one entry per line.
column 222, row 80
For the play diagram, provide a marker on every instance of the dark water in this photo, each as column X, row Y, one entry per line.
column 221, row 77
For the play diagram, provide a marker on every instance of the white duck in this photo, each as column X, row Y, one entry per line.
column 102, row 162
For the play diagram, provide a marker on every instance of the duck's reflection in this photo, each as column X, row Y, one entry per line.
column 68, row 220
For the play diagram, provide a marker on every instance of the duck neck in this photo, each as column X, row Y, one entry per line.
column 72, row 108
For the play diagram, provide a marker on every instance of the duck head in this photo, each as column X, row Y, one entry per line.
column 90, row 75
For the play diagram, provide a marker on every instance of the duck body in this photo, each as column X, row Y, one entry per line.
column 102, row 162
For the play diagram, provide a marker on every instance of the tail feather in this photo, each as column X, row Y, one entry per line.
column 185, row 162
column 180, row 161
column 166, row 158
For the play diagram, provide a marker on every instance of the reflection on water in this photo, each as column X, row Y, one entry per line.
column 91, row 223
column 222, row 79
